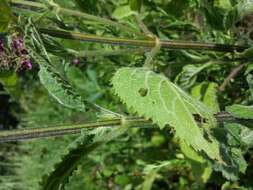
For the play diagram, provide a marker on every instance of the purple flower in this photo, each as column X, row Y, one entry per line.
column 26, row 64
column 18, row 46
column 76, row 61
column 17, row 43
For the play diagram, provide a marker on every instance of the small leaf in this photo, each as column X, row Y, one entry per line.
column 10, row 82
column 207, row 93
column 239, row 135
column 247, row 136
column 232, row 150
column 151, row 171
column 149, row 180
column 122, row 180
column 135, row 5
column 84, row 82
column 5, row 16
column 247, row 54
column 190, row 153
column 8, row 78
column 215, row 12
column 122, row 12
column 200, row 168
column 241, row 111
column 187, row 78
column 238, row 12
column 89, row 6
column 177, row 7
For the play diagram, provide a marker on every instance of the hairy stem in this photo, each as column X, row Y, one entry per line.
column 144, row 43
column 95, row 53
column 31, row 133
column 58, row 9
column 150, row 43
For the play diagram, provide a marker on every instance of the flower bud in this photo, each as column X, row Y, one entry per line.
column 26, row 64
column 76, row 61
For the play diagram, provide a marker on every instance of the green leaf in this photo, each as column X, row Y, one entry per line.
column 241, row 111
column 190, row 153
column 200, row 168
column 215, row 12
column 149, row 180
column 10, row 82
column 225, row 4
column 60, row 89
column 84, row 82
column 122, row 12
column 232, row 150
column 177, row 7
column 8, row 78
column 238, row 12
column 69, row 160
column 135, row 5
column 238, row 158
column 247, row 54
column 207, row 93
column 5, row 16
column 155, row 97
column 122, row 180
column 151, row 171
column 78, row 150
column 89, row 6
column 247, row 136
column 239, row 135
column 187, row 78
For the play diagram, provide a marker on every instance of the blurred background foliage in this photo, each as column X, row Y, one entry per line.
column 144, row 158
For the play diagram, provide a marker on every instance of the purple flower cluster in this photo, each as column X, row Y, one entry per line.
column 18, row 46
column 14, row 56
column 20, row 51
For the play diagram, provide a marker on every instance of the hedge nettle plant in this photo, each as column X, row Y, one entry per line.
column 215, row 139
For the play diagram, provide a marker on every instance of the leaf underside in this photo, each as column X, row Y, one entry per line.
column 60, row 89
column 153, row 96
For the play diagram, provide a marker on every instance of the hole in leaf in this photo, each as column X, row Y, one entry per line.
column 143, row 92
column 199, row 119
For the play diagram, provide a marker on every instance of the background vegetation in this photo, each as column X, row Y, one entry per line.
column 83, row 72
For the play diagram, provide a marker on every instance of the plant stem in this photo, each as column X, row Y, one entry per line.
column 169, row 44
column 120, row 41
column 78, row 14
column 235, row 71
column 95, row 53
column 31, row 133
